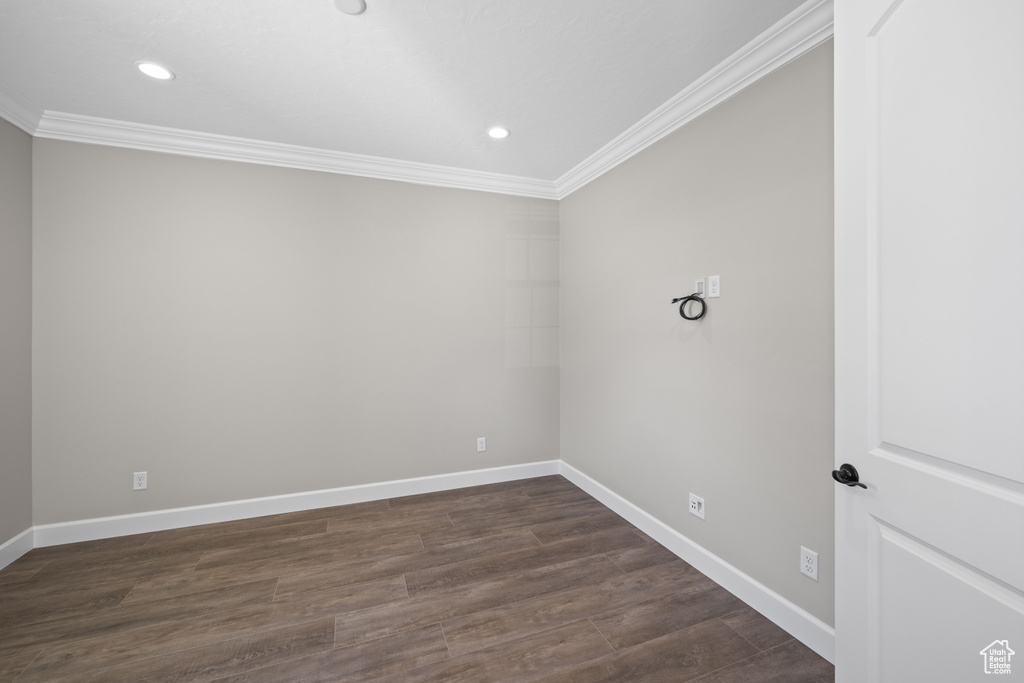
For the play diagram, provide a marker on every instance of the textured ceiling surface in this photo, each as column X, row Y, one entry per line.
column 415, row 80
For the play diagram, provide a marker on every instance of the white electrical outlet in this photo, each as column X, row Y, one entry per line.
column 714, row 286
column 809, row 563
column 698, row 286
column 696, row 505
column 139, row 481
column 481, row 444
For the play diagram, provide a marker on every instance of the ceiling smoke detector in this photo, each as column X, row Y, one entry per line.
column 351, row 6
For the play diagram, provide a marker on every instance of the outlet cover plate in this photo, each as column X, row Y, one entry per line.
column 696, row 505
column 809, row 563
column 140, row 480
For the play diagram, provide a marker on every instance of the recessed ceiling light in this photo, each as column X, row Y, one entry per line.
column 351, row 6
column 155, row 71
column 499, row 133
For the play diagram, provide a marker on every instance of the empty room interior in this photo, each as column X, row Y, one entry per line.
column 305, row 375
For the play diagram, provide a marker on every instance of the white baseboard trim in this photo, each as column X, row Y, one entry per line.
column 799, row 623
column 16, row 547
column 804, row 626
column 159, row 520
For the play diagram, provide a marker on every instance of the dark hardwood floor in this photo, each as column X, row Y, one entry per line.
column 521, row 581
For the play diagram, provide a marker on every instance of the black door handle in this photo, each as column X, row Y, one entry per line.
column 847, row 474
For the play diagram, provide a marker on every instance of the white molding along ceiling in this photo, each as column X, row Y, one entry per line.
column 16, row 111
column 801, row 31
column 74, row 128
column 786, row 38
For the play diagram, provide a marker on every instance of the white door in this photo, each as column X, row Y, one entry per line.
column 930, row 339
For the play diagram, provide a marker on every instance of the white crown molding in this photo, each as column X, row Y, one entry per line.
column 801, row 30
column 100, row 131
column 15, row 110
column 789, row 616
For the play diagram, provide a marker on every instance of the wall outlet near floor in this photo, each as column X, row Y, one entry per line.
column 481, row 444
column 809, row 563
column 140, row 481
column 696, row 505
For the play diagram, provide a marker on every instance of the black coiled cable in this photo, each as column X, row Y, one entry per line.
column 687, row 299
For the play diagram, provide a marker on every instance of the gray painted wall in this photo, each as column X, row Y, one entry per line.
column 15, row 331
column 737, row 407
column 240, row 331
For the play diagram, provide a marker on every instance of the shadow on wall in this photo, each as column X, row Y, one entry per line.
column 531, row 286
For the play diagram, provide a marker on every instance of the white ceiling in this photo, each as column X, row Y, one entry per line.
column 418, row 81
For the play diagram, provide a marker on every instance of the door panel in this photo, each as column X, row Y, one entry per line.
column 948, row 98
column 929, row 336
column 931, row 604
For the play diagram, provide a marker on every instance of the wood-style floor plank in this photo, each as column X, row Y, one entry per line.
column 405, row 563
column 207, row 662
column 327, row 569
column 440, row 606
column 29, row 589
column 493, row 566
column 352, row 511
column 485, row 627
column 524, row 659
column 19, row 571
column 642, row 621
column 390, row 522
column 365, row 662
column 113, row 621
column 787, row 663
column 53, row 578
column 641, row 557
column 235, row 540
column 516, row 581
column 150, row 641
column 484, row 525
column 85, row 601
column 88, row 547
column 676, row 657
column 758, row 630
column 12, row 665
